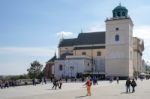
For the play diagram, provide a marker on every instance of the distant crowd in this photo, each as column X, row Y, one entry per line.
column 57, row 83
column 7, row 84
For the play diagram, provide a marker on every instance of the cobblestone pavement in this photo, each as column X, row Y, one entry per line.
column 104, row 90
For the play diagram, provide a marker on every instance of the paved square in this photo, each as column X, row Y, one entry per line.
column 104, row 90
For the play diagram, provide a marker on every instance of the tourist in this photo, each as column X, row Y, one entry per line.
column 45, row 80
column 55, row 83
column 117, row 79
column 66, row 78
column 95, row 81
column 88, row 86
column 133, row 84
column 128, row 83
column 60, row 84
column 33, row 81
column 1, row 84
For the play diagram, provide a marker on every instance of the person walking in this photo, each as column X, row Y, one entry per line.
column 133, row 84
column 60, row 84
column 55, row 84
column 45, row 80
column 128, row 84
column 88, row 86
column 117, row 78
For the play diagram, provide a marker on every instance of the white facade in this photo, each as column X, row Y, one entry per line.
column 72, row 66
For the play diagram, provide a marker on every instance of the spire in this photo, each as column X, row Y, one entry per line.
column 81, row 30
column 120, row 3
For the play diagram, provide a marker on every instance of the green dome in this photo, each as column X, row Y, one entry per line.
column 120, row 12
column 120, row 8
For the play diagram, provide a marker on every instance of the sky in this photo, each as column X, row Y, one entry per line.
column 31, row 29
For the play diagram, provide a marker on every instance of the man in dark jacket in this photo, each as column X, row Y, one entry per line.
column 133, row 84
column 128, row 83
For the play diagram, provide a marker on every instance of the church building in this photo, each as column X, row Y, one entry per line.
column 111, row 53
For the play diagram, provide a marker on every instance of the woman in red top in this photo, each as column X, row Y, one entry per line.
column 88, row 85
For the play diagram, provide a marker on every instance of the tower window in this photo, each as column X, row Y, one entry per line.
column 117, row 29
column 98, row 53
column 118, row 14
column 83, row 53
column 117, row 37
column 123, row 13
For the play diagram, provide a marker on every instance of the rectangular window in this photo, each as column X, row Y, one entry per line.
column 60, row 67
column 83, row 53
column 98, row 53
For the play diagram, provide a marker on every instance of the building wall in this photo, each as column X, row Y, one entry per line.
column 71, row 67
column 48, row 70
column 91, row 52
column 137, row 61
column 99, row 64
column 56, row 70
column 119, row 53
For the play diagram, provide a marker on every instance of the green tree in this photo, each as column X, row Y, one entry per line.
column 35, row 70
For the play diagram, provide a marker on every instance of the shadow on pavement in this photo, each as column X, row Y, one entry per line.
column 125, row 93
column 81, row 96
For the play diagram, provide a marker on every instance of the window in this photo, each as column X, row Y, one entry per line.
column 117, row 28
column 118, row 14
column 117, row 37
column 83, row 53
column 123, row 13
column 60, row 67
column 98, row 53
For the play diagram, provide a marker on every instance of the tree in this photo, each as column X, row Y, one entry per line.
column 35, row 70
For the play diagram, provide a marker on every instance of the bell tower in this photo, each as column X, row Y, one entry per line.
column 119, row 43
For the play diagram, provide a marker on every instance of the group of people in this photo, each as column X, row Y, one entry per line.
column 57, row 83
column 7, row 83
column 130, row 83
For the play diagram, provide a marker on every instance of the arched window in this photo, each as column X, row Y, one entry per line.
column 118, row 14
column 60, row 67
column 123, row 13
column 117, row 37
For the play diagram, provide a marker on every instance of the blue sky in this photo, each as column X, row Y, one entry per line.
column 31, row 29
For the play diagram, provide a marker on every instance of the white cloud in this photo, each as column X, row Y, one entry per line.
column 27, row 51
column 143, row 32
column 96, row 27
column 64, row 34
